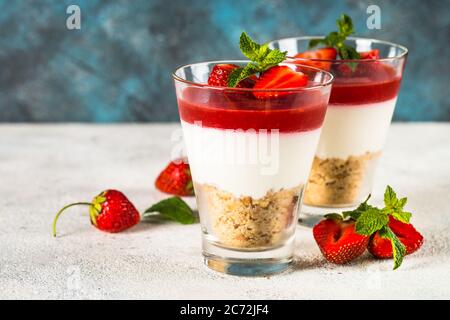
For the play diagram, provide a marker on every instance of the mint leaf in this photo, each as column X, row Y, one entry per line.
column 354, row 214
column 394, row 206
column 398, row 249
column 370, row 221
column 334, row 216
column 237, row 75
column 261, row 56
column 173, row 208
column 345, row 25
column 273, row 58
column 402, row 216
column 336, row 39
column 348, row 53
column 315, row 42
column 390, row 197
column 250, row 48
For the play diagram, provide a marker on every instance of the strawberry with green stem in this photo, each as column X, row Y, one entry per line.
column 110, row 211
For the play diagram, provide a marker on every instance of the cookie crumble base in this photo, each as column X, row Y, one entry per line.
column 245, row 222
column 334, row 181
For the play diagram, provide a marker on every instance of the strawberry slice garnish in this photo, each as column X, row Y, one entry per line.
column 221, row 72
column 338, row 240
column 372, row 54
column 382, row 248
column 278, row 77
column 176, row 179
column 322, row 54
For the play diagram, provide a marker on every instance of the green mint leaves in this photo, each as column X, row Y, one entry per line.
column 369, row 219
column 394, row 206
column 173, row 208
column 354, row 214
column 398, row 249
column 336, row 39
column 262, row 58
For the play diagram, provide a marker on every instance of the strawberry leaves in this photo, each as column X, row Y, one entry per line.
column 336, row 39
column 262, row 58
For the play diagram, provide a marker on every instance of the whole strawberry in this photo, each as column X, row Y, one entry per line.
column 110, row 211
column 338, row 240
column 176, row 179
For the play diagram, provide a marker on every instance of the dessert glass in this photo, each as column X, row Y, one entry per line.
column 358, row 117
column 250, row 159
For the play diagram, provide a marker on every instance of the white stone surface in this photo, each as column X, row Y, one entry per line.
column 43, row 167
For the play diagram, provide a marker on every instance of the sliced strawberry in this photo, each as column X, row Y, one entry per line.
column 322, row 54
column 381, row 248
column 221, row 72
column 278, row 77
column 338, row 240
column 176, row 179
column 372, row 54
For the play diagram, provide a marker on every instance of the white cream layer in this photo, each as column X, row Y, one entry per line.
column 249, row 163
column 354, row 130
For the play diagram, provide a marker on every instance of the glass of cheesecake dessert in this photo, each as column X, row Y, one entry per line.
column 250, row 150
column 362, row 101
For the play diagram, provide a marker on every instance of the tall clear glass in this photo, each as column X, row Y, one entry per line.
column 250, row 153
column 362, row 102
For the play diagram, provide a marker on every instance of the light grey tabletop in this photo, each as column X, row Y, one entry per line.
column 43, row 167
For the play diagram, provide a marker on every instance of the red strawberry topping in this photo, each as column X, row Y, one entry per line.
column 322, row 54
column 372, row 54
column 221, row 72
column 279, row 77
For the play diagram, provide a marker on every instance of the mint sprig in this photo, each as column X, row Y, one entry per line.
column 398, row 249
column 394, row 206
column 354, row 214
column 370, row 219
column 336, row 39
column 261, row 56
column 173, row 208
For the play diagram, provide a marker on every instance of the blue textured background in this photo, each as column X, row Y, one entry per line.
column 118, row 66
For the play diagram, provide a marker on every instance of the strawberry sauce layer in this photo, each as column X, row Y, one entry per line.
column 292, row 112
column 372, row 82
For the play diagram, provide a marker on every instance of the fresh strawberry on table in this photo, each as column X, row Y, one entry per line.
column 176, row 179
column 110, row 211
column 387, row 231
column 381, row 247
column 338, row 240
column 278, row 77
column 320, row 54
